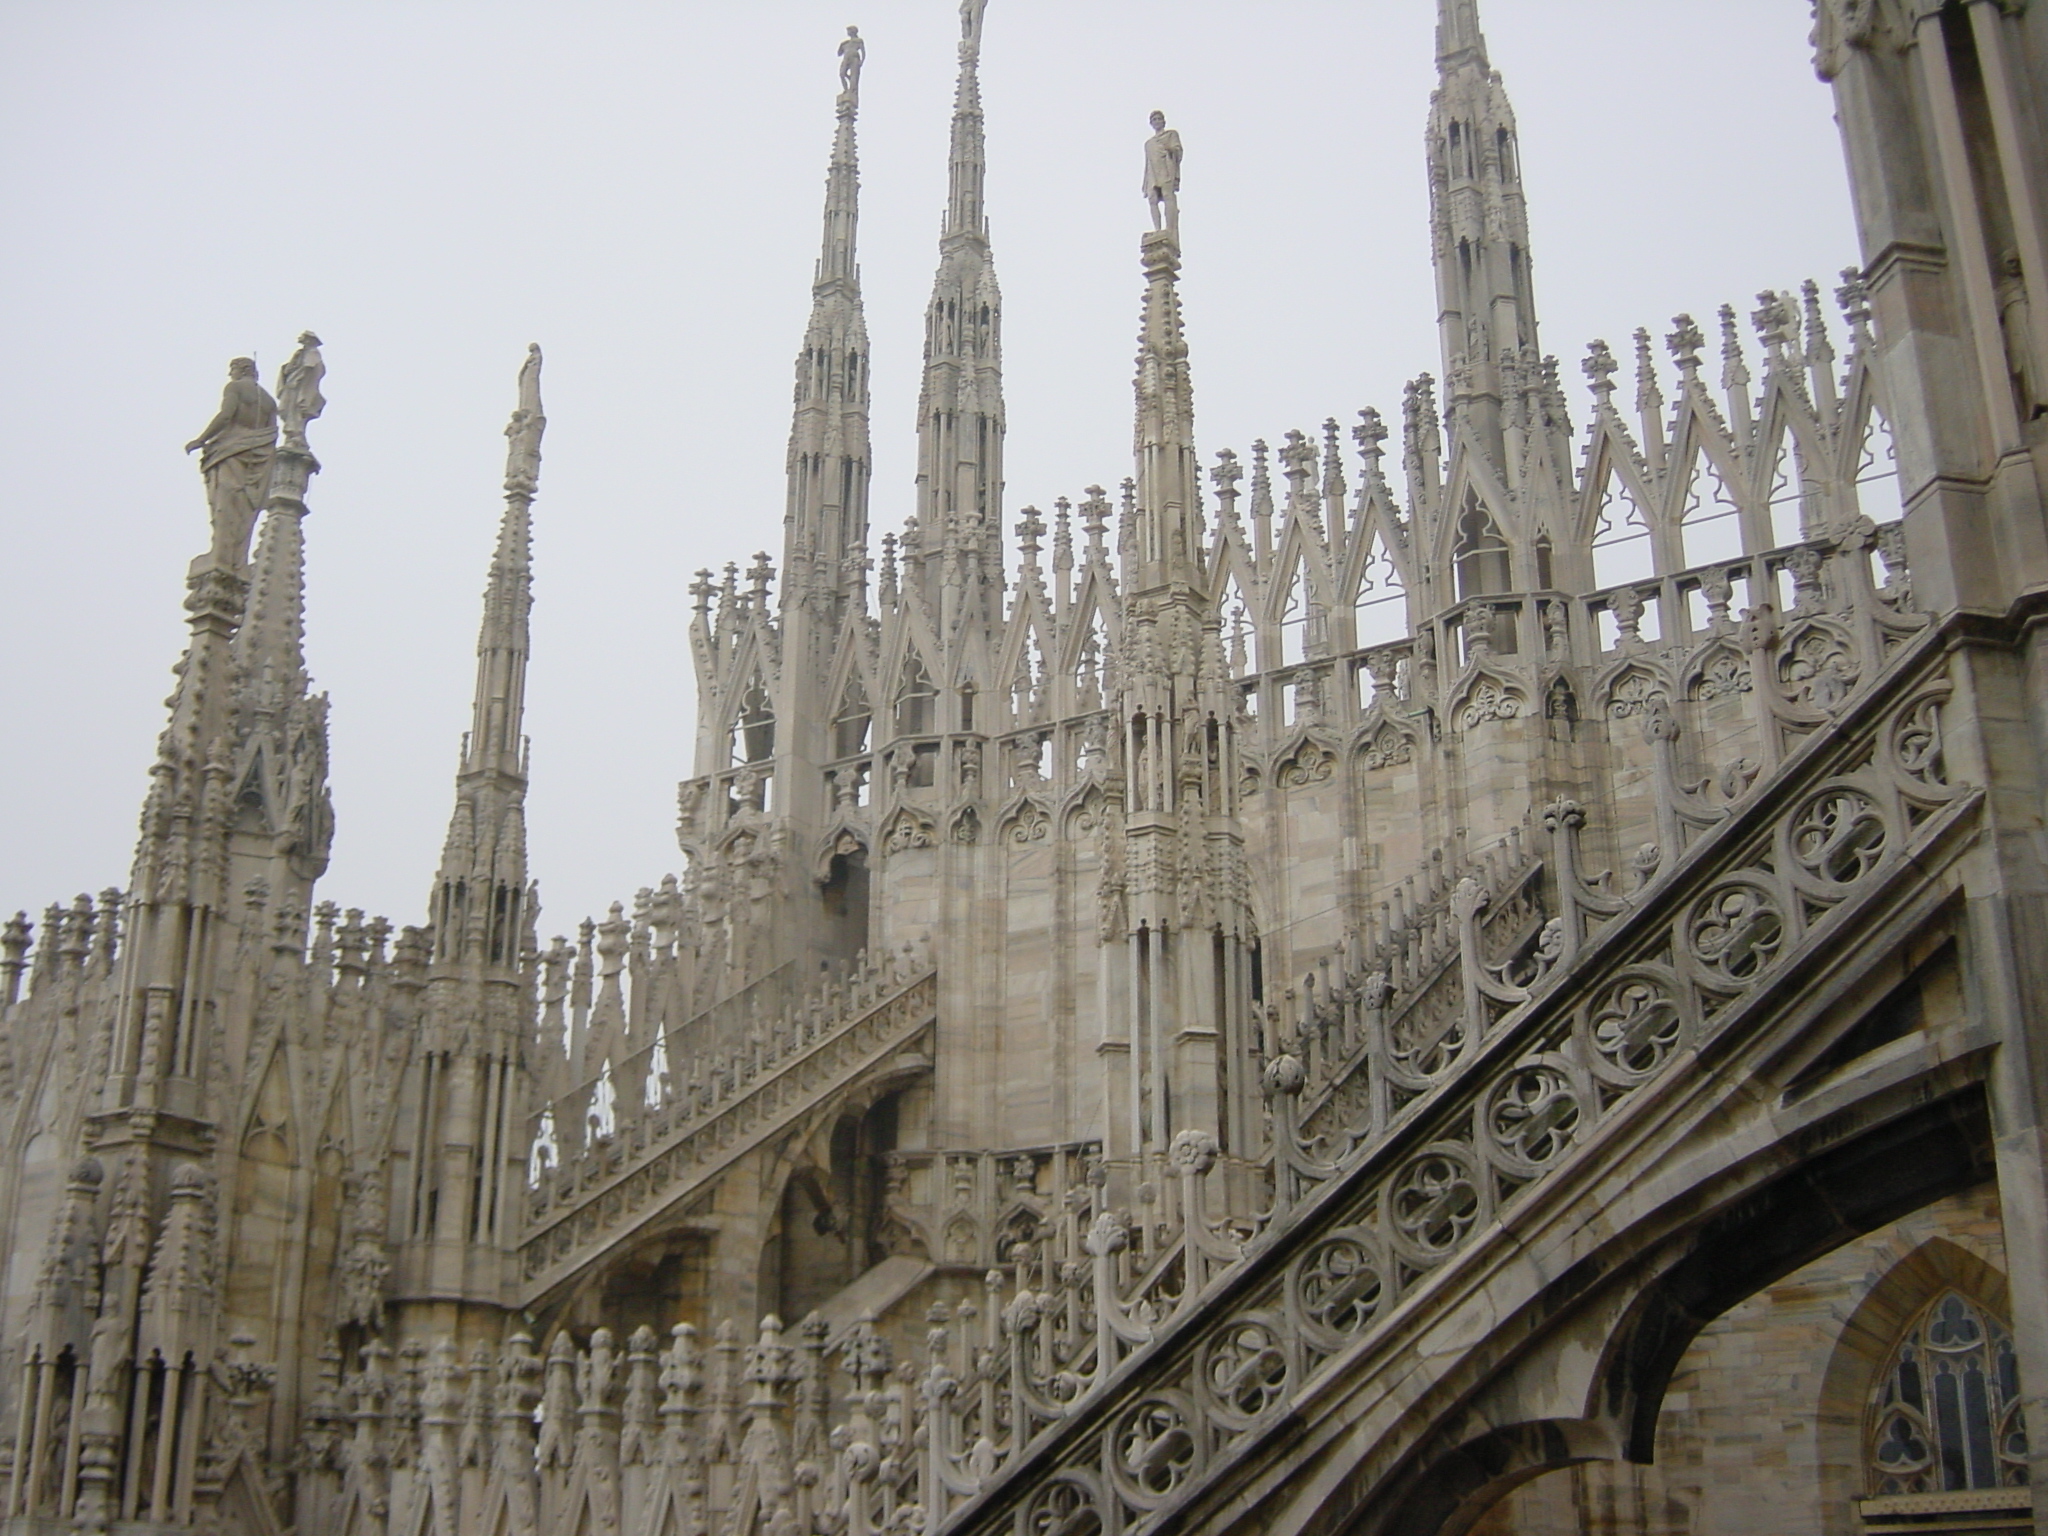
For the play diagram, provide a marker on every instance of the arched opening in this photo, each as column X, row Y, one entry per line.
column 753, row 735
column 826, row 1234
column 665, row 1281
column 1481, row 558
column 850, row 724
column 916, row 700
column 845, row 900
column 1707, row 1409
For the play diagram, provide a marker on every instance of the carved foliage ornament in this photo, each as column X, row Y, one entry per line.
column 1489, row 700
column 1387, row 747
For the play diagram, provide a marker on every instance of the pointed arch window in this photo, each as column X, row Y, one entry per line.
column 1945, row 1417
column 850, row 724
column 1295, row 608
column 1380, row 609
column 1482, row 555
column 753, row 737
column 916, row 700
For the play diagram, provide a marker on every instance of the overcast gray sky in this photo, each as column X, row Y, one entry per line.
column 431, row 184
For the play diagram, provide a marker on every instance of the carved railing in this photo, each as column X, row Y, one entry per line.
column 655, row 1148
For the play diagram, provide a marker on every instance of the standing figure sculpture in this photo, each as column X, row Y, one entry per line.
column 523, row 432
column 239, row 445
column 1162, row 175
column 298, row 392
column 852, row 54
column 970, row 23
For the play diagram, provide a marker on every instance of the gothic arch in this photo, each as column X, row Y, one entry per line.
column 1450, row 1485
column 1939, row 1149
column 1485, row 693
column 1864, row 1348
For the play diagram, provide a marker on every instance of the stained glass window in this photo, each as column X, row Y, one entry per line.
column 1946, row 1416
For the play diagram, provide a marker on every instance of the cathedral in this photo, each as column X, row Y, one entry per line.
column 1467, row 970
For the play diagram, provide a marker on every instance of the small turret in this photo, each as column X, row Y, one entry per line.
column 479, row 897
column 960, row 419
column 466, row 1086
column 826, row 520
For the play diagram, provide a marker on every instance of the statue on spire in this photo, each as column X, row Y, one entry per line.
column 970, row 24
column 298, row 391
column 522, row 457
column 1162, row 175
column 239, row 445
column 852, row 54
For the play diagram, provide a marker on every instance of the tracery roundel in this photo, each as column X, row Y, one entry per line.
column 1838, row 835
column 1435, row 1201
column 1532, row 1114
column 1635, row 1024
column 1736, row 930
column 1154, row 1448
column 1244, row 1368
column 1340, row 1285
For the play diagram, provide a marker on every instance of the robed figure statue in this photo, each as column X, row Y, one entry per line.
column 238, row 446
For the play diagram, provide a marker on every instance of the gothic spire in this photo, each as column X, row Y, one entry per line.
column 482, row 885
column 271, row 641
column 1457, row 33
column 960, row 419
column 1168, row 479
column 826, row 519
column 1485, row 299
column 967, row 169
column 285, row 821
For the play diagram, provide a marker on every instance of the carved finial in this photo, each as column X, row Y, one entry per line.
column 1854, row 297
column 1734, row 371
column 1648, row 397
column 1599, row 367
column 1228, row 471
column 1030, row 531
column 1370, row 434
column 1095, row 518
column 1776, row 322
column 1684, row 344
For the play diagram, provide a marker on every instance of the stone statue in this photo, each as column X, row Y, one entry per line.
column 970, row 23
column 239, row 445
column 2016, row 322
column 298, row 391
column 523, row 431
column 1162, row 175
column 852, row 54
